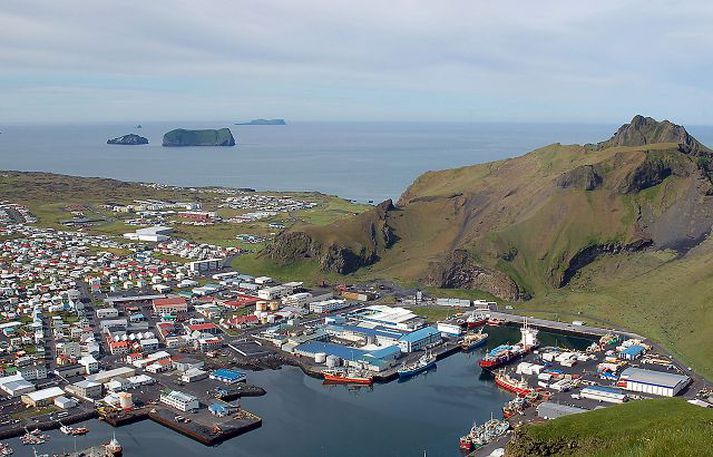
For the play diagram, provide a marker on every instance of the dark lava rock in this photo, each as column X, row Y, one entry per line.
column 585, row 177
column 208, row 137
column 128, row 140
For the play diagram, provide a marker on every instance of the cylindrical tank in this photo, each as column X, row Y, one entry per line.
column 274, row 306
column 261, row 306
column 370, row 339
column 320, row 357
column 271, row 319
column 333, row 361
column 125, row 400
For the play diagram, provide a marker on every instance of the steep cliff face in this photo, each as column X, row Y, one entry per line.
column 207, row 137
column 523, row 226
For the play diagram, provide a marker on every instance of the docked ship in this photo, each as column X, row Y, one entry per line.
column 476, row 320
column 507, row 382
column 507, row 352
column 424, row 363
column 346, row 377
column 473, row 340
column 481, row 435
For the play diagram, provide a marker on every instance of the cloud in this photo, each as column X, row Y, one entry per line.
column 473, row 60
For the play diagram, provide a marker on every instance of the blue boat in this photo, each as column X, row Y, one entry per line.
column 425, row 362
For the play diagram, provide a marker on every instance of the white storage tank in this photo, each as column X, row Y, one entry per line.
column 261, row 306
column 320, row 357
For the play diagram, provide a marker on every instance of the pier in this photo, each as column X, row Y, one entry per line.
column 562, row 327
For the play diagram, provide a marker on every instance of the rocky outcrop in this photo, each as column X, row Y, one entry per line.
column 459, row 271
column 128, row 140
column 209, row 137
column 651, row 172
column 647, row 130
column 584, row 177
column 592, row 253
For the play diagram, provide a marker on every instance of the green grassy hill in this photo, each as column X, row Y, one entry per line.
column 648, row 428
column 614, row 231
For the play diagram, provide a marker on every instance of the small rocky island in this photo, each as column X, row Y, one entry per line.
column 208, row 137
column 128, row 140
column 263, row 122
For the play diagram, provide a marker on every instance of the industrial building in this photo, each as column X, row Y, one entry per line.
column 605, row 394
column 42, row 397
column 420, row 339
column 179, row 400
column 86, row 389
column 550, row 410
column 652, row 382
column 201, row 266
column 227, row 376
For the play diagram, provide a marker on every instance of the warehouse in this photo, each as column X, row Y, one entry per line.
column 605, row 394
column 652, row 382
column 85, row 389
column 42, row 397
column 227, row 376
column 16, row 385
column 550, row 410
column 106, row 376
column 632, row 352
column 179, row 400
column 419, row 339
column 326, row 306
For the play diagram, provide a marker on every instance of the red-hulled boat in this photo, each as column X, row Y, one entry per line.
column 346, row 377
column 476, row 320
column 507, row 382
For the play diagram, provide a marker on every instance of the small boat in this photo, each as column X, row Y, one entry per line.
column 113, row 448
column 74, row 431
column 425, row 362
column 472, row 340
column 495, row 322
column 346, row 377
column 6, row 450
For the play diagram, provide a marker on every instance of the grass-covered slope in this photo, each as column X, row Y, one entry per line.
column 648, row 428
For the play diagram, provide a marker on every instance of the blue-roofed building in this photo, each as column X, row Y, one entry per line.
column 420, row 339
column 632, row 352
column 222, row 408
column 375, row 360
column 228, row 376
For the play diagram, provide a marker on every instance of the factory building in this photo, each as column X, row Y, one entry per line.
column 652, row 382
column 420, row 339
column 179, row 400
column 550, row 410
column 605, row 394
column 42, row 397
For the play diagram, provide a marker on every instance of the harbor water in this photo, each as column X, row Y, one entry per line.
column 303, row 417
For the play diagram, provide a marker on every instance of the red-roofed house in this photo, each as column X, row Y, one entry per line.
column 170, row 305
column 119, row 347
column 240, row 321
column 205, row 327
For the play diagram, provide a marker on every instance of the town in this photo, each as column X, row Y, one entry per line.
column 147, row 325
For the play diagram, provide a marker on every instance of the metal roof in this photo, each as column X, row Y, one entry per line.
column 420, row 334
column 655, row 378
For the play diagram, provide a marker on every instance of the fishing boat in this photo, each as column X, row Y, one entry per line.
column 425, row 362
column 481, row 435
column 74, row 431
column 346, row 377
column 113, row 448
column 33, row 438
column 507, row 352
column 495, row 322
column 515, row 406
column 507, row 382
column 473, row 340
column 6, row 450
column 476, row 320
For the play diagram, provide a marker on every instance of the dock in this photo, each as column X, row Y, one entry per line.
column 561, row 327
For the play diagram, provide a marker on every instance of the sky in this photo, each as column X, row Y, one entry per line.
column 449, row 60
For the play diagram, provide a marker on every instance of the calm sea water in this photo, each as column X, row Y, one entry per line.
column 304, row 418
column 362, row 161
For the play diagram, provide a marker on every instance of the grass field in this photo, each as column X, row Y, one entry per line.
column 647, row 428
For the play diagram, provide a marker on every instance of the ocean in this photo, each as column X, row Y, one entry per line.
column 363, row 161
